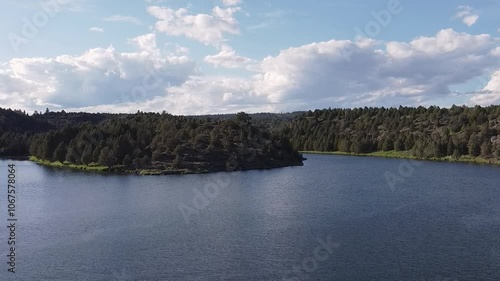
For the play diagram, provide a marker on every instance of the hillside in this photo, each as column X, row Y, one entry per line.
column 146, row 142
column 422, row 132
column 163, row 142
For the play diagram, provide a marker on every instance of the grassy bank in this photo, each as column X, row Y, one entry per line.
column 90, row 167
column 155, row 170
column 408, row 155
column 119, row 168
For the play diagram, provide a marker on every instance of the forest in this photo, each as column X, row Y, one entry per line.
column 421, row 132
column 166, row 143
column 151, row 142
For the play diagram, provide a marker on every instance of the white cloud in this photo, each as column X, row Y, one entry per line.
column 181, row 50
column 97, row 77
column 228, row 58
column 205, row 28
column 146, row 43
column 322, row 74
column 96, row 29
column 199, row 95
column 205, row 95
column 468, row 15
column 393, row 73
column 120, row 18
column 274, row 19
column 259, row 26
column 231, row 2
column 156, row 1
column 491, row 92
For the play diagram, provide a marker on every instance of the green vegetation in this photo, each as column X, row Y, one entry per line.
column 153, row 143
column 146, row 143
column 408, row 155
column 385, row 154
column 91, row 167
column 459, row 133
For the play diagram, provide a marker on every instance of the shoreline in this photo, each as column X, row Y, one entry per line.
column 406, row 155
column 120, row 169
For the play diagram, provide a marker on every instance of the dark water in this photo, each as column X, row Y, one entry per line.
column 433, row 221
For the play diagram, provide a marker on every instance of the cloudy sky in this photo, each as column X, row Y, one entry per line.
column 223, row 56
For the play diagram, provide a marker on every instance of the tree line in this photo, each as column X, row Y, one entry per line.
column 146, row 139
column 424, row 132
column 152, row 140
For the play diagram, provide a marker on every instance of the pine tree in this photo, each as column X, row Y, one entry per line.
column 473, row 145
column 178, row 162
column 107, row 157
column 388, row 144
column 127, row 160
column 87, row 155
column 497, row 152
column 60, row 152
column 486, row 149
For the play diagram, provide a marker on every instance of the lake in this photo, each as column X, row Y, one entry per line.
column 335, row 218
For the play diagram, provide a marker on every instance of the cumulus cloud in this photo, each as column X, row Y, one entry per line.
column 96, row 29
column 120, row 18
column 231, row 2
column 228, row 58
column 99, row 76
column 206, row 28
column 468, row 15
column 215, row 94
column 335, row 73
column 491, row 92
column 346, row 73
column 155, row 1
column 146, row 43
column 199, row 95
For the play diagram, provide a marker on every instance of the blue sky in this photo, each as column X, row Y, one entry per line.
column 197, row 57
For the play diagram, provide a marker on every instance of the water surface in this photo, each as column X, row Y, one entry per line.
column 438, row 221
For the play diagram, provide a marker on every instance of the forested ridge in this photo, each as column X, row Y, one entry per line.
column 422, row 132
column 145, row 141
column 164, row 142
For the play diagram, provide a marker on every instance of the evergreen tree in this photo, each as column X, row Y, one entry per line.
column 127, row 160
column 486, row 149
column 60, row 152
column 87, row 155
column 388, row 145
column 107, row 157
column 474, row 149
column 178, row 162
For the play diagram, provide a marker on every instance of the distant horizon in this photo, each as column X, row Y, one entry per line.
column 251, row 113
